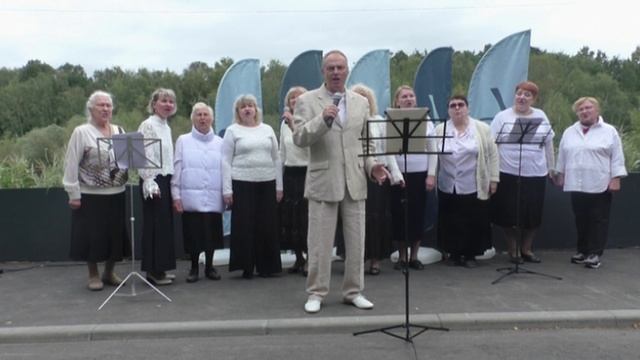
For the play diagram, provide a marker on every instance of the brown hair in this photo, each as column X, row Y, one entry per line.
column 529, row 86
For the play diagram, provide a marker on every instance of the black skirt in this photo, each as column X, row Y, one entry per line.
column 158, row 245
column 254, row 228
column 463, row 224
column 294, row 210
column 504, row 203
column 417, row 203
column 98, row 229
column 379, row 232
column 202, row 231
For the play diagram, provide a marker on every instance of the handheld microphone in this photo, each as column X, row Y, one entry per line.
column 336, row 99
column 284, row 111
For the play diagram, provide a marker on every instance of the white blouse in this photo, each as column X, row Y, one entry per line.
column 417, row 162
column 537, row 159
column 458, row 169
column 589, row 161
column 155, row 127
column 290, row 153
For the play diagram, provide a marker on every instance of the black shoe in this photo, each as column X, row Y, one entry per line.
column 247, row 274
column 193, row 275
column 470, row 264
column 516, row 260
column 399, row 265
column 531, row 258
column 374, row 270
column 416, row 264
column 212, row 274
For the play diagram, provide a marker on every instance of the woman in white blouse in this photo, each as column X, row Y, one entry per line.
column 294, row 211
column 467, row 176
column 158, row 254
column 196, row 188
column 378, row 228
column 590, row 165
column 415, row 177
column 523, row 172
column 252, row 184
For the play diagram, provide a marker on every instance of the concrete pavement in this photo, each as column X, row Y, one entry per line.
column 49, row 301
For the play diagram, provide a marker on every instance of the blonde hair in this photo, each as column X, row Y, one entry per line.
column 371, row 97
column 299, row 90
column 397, row 93
column 584, row 99
column 157, row 95
column 244, row 100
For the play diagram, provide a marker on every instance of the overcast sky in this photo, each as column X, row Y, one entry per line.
column 170, row 34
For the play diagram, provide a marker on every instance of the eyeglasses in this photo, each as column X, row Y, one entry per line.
column 456, row 105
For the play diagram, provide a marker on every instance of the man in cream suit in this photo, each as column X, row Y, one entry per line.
column 331, row 121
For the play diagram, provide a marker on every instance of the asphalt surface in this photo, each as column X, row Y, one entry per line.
column 49, row 302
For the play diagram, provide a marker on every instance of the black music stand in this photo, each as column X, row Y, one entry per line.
column 128, row 150
column 523, row 131
column 407, row 127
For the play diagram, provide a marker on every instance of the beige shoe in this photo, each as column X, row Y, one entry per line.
column 95, row 284
column 112, row 279
column 158, row 281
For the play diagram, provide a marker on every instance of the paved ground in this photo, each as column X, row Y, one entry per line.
column 49, row 302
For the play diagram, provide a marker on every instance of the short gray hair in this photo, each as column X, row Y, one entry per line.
column 93, row 98
column 200, row 105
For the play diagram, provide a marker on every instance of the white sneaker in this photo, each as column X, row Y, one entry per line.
column 592, row 262
column 361, row 303
column 312, row 305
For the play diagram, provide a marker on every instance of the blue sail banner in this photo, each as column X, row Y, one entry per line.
column 432, row 82
column 372, row 70
column 304, row 70
column 243, row 77
column 494, row 80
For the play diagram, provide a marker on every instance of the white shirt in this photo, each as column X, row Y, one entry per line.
column 416, row 162
column 589, row 161
column 290, row 153
column 250, row 153
column 458, row 169
column 536, row 160
column 157, row 128
column 378, row 130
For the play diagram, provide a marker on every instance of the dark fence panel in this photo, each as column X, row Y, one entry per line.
column 35, row 223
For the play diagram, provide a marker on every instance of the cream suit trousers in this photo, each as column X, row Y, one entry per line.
column 323, row 217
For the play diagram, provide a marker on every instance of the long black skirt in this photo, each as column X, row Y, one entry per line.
column 294, row 210
column 254, row 230
column 417, row 202
column 378, row 230
column 504, row 203
column 98, row 229
column 158, row 246
column 463, row 224
column 202, row 231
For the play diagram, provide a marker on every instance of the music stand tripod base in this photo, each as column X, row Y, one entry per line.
column 520, row 270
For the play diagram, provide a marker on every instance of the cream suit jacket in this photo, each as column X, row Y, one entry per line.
column 333, row 152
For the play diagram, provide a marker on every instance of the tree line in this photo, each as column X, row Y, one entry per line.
column 41, row 104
